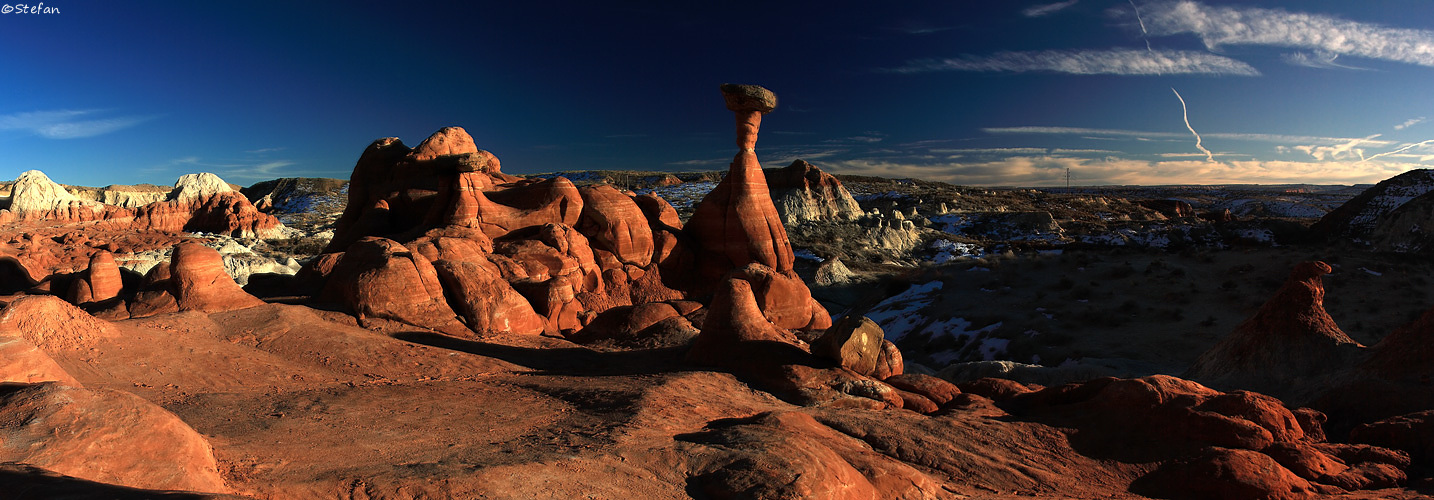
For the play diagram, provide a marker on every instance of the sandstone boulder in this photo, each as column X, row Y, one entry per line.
column 612, row 221
column 380, row 278
column 853, row 342
column 199, row 283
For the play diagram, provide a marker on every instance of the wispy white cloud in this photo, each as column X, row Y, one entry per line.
column 261, row 151
column 1317, row 59
column 1348, row 150
column 67, row 124
column 1409, row 123
column 1047, row 9
column 1139, row 134
column 1217, row 26
column 229, row 170
column 1090, row 62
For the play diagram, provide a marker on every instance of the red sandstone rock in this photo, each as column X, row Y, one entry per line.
column 917, row 402
column 488, row 304
column 784, row 299
column 890, row 363
column 1412, row 433
column 446, row 141
column 1225, row 474
column 736, row 224
column 106, row 436
column 612, row 221
column 200, row 283
column 937, row 390
column 380, row 278
column 528, row 203
column 733, row 319
column 1289, row 340
column 103, row 277
column 21, row 361
column 997, row 389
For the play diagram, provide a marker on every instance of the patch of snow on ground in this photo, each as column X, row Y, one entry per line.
column 898, row 315
column 807, row 255
column 947, row 250
column 1371, row 272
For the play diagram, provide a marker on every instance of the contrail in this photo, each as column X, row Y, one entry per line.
column 1186, row 114
column 1400, row 150
column 1144, row 35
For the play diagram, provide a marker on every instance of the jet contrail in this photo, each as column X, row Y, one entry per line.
column 1400, row 150
column 1145, row 35
column 1186, row 114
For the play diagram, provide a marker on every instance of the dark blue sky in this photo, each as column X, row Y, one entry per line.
column 970, row 92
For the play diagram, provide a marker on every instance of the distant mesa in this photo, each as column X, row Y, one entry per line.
column 1365, row 218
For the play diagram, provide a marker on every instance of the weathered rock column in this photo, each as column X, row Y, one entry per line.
column 737, row 222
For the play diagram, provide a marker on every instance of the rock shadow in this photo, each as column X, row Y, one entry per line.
column 562, row 360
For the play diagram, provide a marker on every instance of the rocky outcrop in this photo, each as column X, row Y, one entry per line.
column 199, row 283
column 736, row 224
column 1289, row 342
column 126, row 196
column 1210, row 444
column 105, row 436
column 198, row 203
column 1357, row 218
column 297, row 195
column 1403, row 229
column 802, row 192
column 35, row 196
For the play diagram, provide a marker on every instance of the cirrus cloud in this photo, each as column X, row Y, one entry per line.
column 1327, row 35
column 67, row 124
column 1090, row 62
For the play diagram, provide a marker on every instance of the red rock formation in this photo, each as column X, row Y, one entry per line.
column 1204, row 437
column 99, row 282
column 1412, row 433
column 106, row 436
column 380, row 278
column 487, row 304
column 737, row 224
column 199, row 282
column 1291, row 339
column 21, row 361
column 732, row 320
column 613, row 222
column 935, row 389
column 784, row 298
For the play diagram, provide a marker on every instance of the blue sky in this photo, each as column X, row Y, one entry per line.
column 982, row 93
